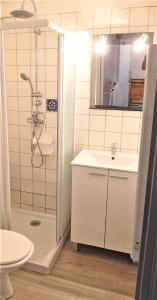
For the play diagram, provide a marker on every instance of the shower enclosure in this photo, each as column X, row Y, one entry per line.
column 40, row 95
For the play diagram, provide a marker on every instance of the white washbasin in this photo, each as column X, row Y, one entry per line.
column 103, row 159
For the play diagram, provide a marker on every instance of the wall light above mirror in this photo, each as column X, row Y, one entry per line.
column 119, row 64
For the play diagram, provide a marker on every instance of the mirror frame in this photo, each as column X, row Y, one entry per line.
column 93, row 72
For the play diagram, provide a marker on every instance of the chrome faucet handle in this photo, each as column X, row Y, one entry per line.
column 113, row 149
column 114, row 145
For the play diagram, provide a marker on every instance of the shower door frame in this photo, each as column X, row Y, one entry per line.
column 40, row 23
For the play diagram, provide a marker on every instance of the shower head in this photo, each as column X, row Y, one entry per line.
column 22, row 13
column 24, row 76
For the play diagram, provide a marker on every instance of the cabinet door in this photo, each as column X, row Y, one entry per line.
column 120, row 211
column 89, row 195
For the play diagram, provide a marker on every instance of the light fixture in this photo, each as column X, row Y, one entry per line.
column 101, row 45
column 141, row 43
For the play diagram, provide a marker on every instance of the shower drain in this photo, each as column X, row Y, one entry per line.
column 35, row 223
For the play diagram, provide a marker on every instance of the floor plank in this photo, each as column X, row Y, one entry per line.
column 91, row 273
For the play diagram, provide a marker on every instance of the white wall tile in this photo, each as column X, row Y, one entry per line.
column 23, row 57
column 84, row 90
column 15, row 196
column 50, row 202
column 96, row 138
column 26, row 198
column 139, row 16
column 26, row 185
column 25, row 160
column 51, row 119
column 102, row 18
column 51, row 89
column 85, row 73
column 38, row 200
column 26, row 207
column 112, row 137
column 12, row 103
column 41, row 41
column 23, row 40
column 81, row 137
column 114, row 113
column 14, row 158
column 51, row 57
column 120, row 17
column 131, row 125
column 38, row 174
column 13, row 131
column 132, row 114
column 50, row 189
column 25, row 132
column 41, row 55
column 39, row 187
column 68, row 21
column 51, row 176
column 25, row 146
column 12, row 117
column 82, row 122
column 15, row 171
column 15, row 183
column 84, row 20
column 129, row 141
column 153, row 16
column 51, row 40
column 51, row 73
column 113, row 124
column 11, row 73
column 9, row 41
column 14, row 145
column 82, row 106
column 11, row 89
column 38, row 209
column 138, row 29
column 119, row 29
column 10, row 57
column 97, row 112
column 26, row 172
column 154, row 30
column 24, row 104
column 97, row 123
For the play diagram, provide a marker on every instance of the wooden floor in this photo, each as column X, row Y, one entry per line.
column 92, row 273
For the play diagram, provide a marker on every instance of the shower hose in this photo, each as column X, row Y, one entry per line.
column 37, row 144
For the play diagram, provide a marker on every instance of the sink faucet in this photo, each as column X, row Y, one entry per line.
column 114, row 149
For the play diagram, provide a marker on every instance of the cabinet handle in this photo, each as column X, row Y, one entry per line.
column 99, row 174
column 118, row 177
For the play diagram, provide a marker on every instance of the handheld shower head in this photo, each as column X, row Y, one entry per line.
column 24, row 76
column 22, row 13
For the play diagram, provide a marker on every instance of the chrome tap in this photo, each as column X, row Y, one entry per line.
column 114, row 149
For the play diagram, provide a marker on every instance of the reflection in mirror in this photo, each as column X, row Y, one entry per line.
column 118, row 70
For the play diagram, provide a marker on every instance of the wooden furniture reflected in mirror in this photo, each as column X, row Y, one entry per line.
column 136, row 93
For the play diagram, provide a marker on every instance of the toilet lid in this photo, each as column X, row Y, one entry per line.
column 13, row 247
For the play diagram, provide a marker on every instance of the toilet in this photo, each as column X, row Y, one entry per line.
column 15, row 250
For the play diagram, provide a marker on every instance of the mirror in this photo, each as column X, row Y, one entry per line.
column 118, row 70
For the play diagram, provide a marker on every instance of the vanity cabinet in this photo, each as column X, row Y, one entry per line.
column 89, row 196
column 120, row 211
column 103, row 207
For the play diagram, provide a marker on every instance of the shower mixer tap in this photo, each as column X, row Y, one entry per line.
column 37, row 101
column 37, row 118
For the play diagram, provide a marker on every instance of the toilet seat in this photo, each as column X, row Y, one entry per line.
column 14, row 247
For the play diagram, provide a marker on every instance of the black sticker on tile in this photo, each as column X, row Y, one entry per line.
column 51, row 104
